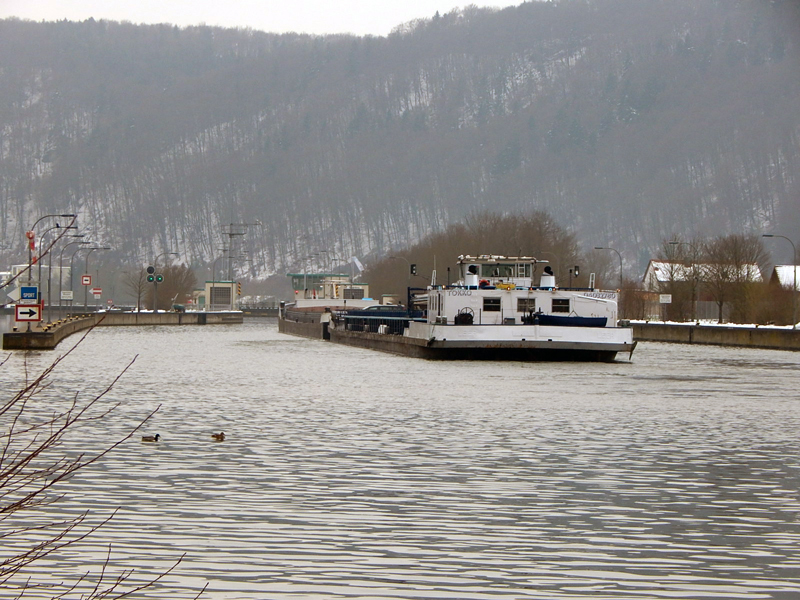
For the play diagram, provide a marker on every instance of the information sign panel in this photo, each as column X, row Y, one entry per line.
column 29, row 294
column 28, row 312
column 66, row 295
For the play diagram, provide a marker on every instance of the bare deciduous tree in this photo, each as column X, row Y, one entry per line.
column 733, row 272
column 136, row 283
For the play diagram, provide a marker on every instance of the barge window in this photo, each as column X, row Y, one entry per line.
column 526, row 305
column 497, row 270
column 560, row 305
column 491, row 304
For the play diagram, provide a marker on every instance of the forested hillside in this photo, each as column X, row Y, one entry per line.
column 626, row 121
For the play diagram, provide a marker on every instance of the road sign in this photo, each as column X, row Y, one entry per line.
column 28, row 312
column 66, row 295
column 29, row 294
column 86, row 280
column 97, row 292
column 665, row 298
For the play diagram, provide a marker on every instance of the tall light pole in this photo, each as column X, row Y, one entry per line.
column 794, row 269
column 86, row 272
column 50, row 259
column 696, row 273
column 331, row 258
column 31, row 234
column 408, row 264
column 209, row 304
column 71, row 260
column 60, row 277
column 61, row 269
column 620, row 262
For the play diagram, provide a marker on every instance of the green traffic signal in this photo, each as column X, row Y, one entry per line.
column 150, row 279
column 159, row 278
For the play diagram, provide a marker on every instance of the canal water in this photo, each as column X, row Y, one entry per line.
column 352, row 474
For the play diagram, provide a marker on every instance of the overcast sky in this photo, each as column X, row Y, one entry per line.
column 376, row 17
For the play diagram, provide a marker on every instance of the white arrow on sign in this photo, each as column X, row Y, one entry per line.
column 28, row 312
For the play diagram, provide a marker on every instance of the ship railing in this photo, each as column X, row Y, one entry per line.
column 377, row 324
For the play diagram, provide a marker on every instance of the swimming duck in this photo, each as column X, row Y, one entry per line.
column 150, row 438
column 218, row 437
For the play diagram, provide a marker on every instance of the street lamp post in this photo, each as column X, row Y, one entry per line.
column 408, row 264
column 408, row 277
column 49, row 273
column 339, row 258
column 49, row 254
column 61, row 270
column 794, row 270
column 209, row 304
column 31, row 234
column 71, row 260
column 86, row 272
column 620, row 262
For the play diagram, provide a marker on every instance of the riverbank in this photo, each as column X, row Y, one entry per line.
column 46, row 336
column 750, row 336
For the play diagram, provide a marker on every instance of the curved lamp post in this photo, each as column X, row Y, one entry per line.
column 794, row 269
column 86, row 271
column 50, row 259
column 71, row 260
column 61, row 267
column 49, row 254
column 31, row 234
column 408, row 265
column 50, row 272
column 620, row 262
column 209, row 304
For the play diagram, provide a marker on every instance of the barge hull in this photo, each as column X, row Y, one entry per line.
column 455, row 350
column 317, row 331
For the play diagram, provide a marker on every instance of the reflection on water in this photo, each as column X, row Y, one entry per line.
column 347, row 473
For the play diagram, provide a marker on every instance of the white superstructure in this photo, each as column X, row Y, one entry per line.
column 495, row 305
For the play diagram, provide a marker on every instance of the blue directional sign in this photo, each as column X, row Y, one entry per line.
column 28, row 294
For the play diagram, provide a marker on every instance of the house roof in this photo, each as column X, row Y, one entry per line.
column 788, row 275
column 665, row 270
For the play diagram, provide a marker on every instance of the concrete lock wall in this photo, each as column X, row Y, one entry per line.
column 754, row 337
column 49, row 337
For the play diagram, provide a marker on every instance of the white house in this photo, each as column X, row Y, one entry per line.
column 663, row 271
column 787, row 276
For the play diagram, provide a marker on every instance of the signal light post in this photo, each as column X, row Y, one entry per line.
column 155, row 279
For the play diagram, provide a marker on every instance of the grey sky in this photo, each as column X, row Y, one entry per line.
column 376, row 17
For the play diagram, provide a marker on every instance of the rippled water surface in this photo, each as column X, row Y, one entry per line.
column 348, row 473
